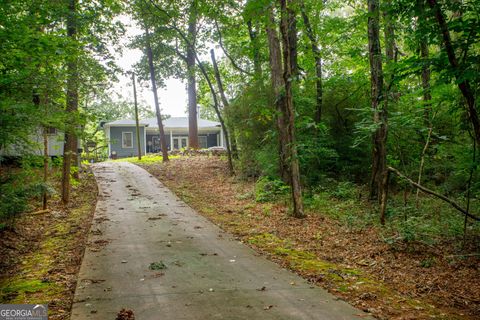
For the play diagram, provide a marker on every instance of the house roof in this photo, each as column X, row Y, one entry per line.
column 173, row 122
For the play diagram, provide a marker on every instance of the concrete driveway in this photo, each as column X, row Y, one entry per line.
column 151, row 253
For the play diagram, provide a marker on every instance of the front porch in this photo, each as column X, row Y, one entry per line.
column 177, row 140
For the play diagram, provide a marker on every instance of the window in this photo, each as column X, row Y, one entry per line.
column 50, row 131
column 202, row 141
column 127, row 139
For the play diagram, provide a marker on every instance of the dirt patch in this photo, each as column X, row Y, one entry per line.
column 392, row 282
column 41, row 256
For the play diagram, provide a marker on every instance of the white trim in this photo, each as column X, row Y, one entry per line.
column 221, row 138
column 107, row 125
column 171, row 140
column 109, row 142
column 174, row 128
column 144, row 142
column 123, row 140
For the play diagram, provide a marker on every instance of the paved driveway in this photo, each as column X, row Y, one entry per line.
column 151, row 253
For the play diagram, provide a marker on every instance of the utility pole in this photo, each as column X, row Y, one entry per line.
column 137, row 125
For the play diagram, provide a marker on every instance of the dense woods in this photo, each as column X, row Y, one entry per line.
column 367, row 101
column 319, row 95
column 378, row 96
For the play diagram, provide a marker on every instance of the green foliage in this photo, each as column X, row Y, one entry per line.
column 17, row 189
column 345, row 190
column 268, row 189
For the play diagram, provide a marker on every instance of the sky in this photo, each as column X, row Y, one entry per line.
column 172, row 98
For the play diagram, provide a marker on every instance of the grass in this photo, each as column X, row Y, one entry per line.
column 148, row 159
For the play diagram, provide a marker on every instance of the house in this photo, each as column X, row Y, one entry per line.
column 35, row 146
column 122, row 138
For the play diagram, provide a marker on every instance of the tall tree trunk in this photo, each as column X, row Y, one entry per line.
column 191, row 82
column 137, row 124
column 424, row 53
column 463, row 84
column 289, row 35
column 318, row 63
column 163, row 140
column 70, row 145
column 292, row 37
column 379, row 178
column 276, row 70
column 226, row 105
column 390, row 93
column 427, row 97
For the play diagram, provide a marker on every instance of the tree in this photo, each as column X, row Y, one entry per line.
column 318, row 62
column 70, row 146
column 163, row 140
column 277, row 81
column 289, row 35
column 191, row 86
column 379, row 177
column 226, row 104
column 459, row 70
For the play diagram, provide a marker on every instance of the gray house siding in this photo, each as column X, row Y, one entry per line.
column 212, row 139
column 116, row 141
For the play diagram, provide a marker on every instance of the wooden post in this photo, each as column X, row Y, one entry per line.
column 137, row 125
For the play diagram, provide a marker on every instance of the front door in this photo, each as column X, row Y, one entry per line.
column 180, row 142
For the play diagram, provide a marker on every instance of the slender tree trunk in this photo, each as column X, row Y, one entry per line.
column 45, row 169
column 292, row 37
column 463, row 84
column 389, row 96
column 216, row 106
column 318, row 63
column 257, row 61
column 226, row 105
column 379, row 169
column 288, row 30
column 276, row 70
column 425, row 76
column 191, row 81
column 422, row 165
column 137, row 124
column 37, row 103
column 424, row 53
column 70, row 145
column 469, row 187
column 163, row 140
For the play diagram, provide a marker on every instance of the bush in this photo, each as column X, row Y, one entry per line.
column 14, row 199
column 345, row 190
column 268, row 189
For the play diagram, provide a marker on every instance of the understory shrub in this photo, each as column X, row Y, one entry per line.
column 269, row 189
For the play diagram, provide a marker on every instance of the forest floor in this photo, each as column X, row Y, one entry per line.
column 41, row 254
column 390, row 281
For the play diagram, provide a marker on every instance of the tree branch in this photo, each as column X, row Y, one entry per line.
column 220, row 41
column 433, row 193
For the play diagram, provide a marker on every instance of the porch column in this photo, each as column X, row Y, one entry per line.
column 221, row 137
column 145, row 140
column 171, row 140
